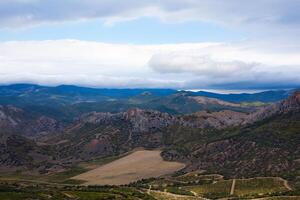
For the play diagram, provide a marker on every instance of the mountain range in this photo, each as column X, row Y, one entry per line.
column 206, row 133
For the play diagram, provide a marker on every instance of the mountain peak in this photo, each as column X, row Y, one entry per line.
column 291, row 104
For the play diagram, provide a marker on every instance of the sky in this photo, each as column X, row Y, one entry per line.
column 181, row 44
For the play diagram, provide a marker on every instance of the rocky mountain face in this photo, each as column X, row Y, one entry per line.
column 103, row 134
column 106, row 133
column 139, row 120
column 9, row 117
column 18, row 150
column 15, row 121
column 218, row 120
column 267, row 145
column 291, row 104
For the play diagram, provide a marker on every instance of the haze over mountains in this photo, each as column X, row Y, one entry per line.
column 69, row 101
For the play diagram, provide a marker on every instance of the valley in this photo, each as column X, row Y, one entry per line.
column 163, row 144
column 141, row 164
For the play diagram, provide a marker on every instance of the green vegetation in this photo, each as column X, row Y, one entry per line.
column 254, row 104
column 59, row 178
column 178, row 190
column 161, row 189
column 258, row 186
column 282, row 198
column 63, row 177
column 198, row 178
column 27, row 191
column 216, row 190
column 168, row 196
column 97, row 162
column 29, row 195
column 108, row 193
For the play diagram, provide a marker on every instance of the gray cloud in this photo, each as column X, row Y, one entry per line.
column 199, row 65
column 230, row 12
column 230, row 73
column 29, row 12
column 272, row 25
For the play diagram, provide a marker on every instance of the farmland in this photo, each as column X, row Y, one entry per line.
column 256, row 186
column 163, row 188
column 140, row 164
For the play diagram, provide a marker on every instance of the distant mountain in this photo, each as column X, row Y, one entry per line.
column 19, row 94
column 67, row 93
column 66, row 102
column 266, row 97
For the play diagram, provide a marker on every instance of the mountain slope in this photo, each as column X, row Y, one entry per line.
column 15, row 121
column 20, row 153
column 268, row 147
column 105, row 134
column 236, row 144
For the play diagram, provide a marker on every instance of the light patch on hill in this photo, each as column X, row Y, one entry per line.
column 136, row 166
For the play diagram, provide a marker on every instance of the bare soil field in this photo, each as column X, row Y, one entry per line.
column 169, row 196
column 136, row 166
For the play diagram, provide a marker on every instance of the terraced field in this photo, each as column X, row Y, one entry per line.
column 139, row 165
column 216, row 190
column 280, row 198
column 198, row 178
column 243, row 188
column 259, row 186
column 29, row 191
column 153, row 189
column 169, row 196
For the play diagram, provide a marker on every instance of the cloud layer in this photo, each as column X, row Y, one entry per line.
column 263, row 21
column 269, row 57
column 200, row 65
column 284, row 12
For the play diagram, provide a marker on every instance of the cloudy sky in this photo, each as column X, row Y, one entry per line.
column 184, row 44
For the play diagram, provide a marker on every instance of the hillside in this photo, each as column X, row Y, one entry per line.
column 223, row 141
column 16, row 121
column 267, row 147
column 264, row 142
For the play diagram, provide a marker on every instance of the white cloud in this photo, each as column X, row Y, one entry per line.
column 197, row 64
column 113, row 65
column 273, row 25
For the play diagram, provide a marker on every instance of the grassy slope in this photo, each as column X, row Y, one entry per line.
column 277, row 137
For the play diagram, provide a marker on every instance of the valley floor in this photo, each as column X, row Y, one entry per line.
column 139, row 165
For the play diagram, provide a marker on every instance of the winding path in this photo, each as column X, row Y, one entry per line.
column 232, row 187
